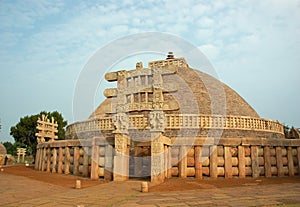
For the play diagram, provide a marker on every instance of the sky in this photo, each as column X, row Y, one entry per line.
column 253, row 45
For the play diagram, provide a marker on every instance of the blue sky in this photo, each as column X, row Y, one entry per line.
column 253, row 45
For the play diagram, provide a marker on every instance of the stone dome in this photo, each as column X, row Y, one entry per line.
column 191, row 102
column 211, row 96
column 2, row 149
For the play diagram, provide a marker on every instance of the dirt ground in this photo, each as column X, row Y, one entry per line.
column 179, row 184
column 52, row 178
column 174, row 184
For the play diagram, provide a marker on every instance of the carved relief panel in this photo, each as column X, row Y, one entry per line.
column 121, row 123
column 157, row 121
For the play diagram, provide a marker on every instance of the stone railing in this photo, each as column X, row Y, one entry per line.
column 176, row 121
column 103, row 123
column 74, row 157
column 226, row 157
column 138, row 122
column 186, row 121
column 181, row 62
column 235, row 157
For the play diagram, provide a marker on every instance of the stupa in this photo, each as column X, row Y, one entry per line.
column 170, row 120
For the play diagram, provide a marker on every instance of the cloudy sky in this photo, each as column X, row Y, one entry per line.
column 253, row 45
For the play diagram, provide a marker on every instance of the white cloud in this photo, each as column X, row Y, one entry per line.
column 211, row 51
column 206, row 22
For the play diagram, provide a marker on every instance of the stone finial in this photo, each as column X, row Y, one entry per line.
column 170, row 56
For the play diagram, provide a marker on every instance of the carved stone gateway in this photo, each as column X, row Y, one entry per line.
column 46, row 129
column 21, row 152
column 141, row 89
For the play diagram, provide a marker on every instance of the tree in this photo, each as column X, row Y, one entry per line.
column 24, row 131
column 10, row 148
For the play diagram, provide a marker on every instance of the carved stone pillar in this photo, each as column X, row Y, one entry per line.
column 157, row 158
column 95, row 162
column 121, row 159
column 108, row 162
column 157, row 126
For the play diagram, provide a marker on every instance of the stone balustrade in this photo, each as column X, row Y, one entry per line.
column 227, row 157
column 103, row 123
column 179, row 62
column 176, row 121
column 183, row 121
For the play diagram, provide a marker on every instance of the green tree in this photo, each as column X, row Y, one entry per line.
column 24, row 131
column 10, row 148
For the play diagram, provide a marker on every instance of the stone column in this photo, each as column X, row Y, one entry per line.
column 85, row 171
column 67, row 160
column 76, row 161
column 182, row 162
column 198, row 162
column 95, row 162
column 157, row 159
column 166, row 159
column 213, row 162
column 290, row 161
column 267, row 159
column 157, row 126
column 60, row 160
column 40, row 158
column 121, row 123
column 54, row 160
column 37, row 158
column 48, row 159
column 108, row 163
column 279, row 163
column 254, row 162
column 241, row 157
column 121, row 158
column 228, row 162
column 44, row 159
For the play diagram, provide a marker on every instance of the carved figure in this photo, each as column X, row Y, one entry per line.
column 121, row 123
column 157, row 120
